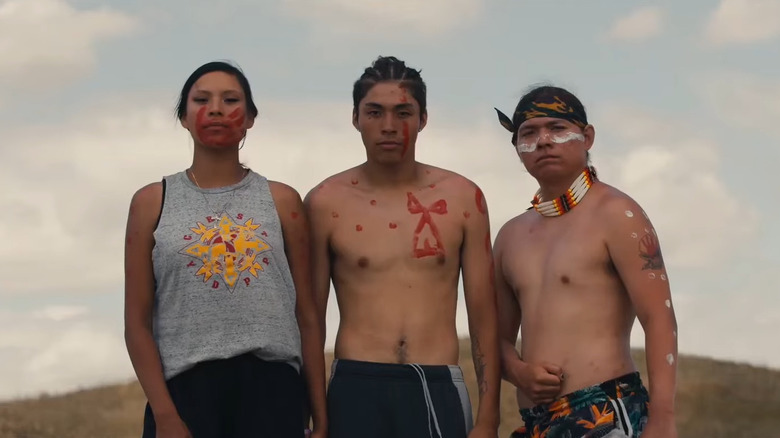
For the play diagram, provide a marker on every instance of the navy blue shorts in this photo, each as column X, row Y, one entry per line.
column 243, row 396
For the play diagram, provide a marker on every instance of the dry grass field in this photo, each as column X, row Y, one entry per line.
column 715, row 400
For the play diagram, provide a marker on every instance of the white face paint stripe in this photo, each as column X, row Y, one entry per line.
column 629, row 213
column 526, row 147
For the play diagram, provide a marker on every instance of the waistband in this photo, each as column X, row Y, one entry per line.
column 611, row 389
column 433, row 373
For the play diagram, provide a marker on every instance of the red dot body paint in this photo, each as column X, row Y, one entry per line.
column 359, row 227
column 354, row 182
column 373, row 202
column 294, row 215
column 466, row 214
column 393, row 225
column 335, row 215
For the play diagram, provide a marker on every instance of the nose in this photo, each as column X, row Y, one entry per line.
column 545, row 139
column 388, row 124
column 215, row 107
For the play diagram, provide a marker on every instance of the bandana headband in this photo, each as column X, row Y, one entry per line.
column 555, row 108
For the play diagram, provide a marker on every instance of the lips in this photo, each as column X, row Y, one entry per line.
column 546, row 157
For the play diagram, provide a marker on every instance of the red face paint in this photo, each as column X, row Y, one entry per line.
column 359, row 227
column 480, row 198
column 220, row 132
column 406, row 138
column 393, row 225
column 415, row 207
column 373, row 202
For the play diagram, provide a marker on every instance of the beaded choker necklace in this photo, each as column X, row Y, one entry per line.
column 570, row 199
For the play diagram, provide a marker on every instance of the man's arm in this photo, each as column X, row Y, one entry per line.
column 509, row 316
column 315, row 207
column 295, row 229
column 635, row 251
column 539, row 382
column 479, row 291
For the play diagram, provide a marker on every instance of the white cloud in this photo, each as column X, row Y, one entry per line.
column 372, row 18
column 742, row 99
column 743, row 22
column 48, row 43
column 60, row 313
column 55, row 356
column 675, row 175
column 641, row 24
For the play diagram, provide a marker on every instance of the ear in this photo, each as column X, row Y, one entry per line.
column 505, row 121
column 590, row 136
column 355, row 119
column 250, row 122
column 423, row 120
column 184, row 124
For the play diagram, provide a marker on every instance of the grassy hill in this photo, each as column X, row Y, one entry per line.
column 715, row 399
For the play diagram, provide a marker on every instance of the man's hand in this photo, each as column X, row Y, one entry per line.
column 171, row 426
column 539, row 382
column 660, row 427
column 483, row 432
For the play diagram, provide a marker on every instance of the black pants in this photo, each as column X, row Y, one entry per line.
column 377, row 400
column 240, row 397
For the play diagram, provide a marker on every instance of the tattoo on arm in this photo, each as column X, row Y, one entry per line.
column 650, row 252
column 479, row 365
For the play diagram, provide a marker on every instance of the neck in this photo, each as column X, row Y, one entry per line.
column 403, row 173
column 216, row 168
column 553, row 188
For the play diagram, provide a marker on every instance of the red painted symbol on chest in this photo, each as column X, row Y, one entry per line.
column 240, row 216
column 265, row 260
column 188, row 237
column 426, row 247
column 264, row 234
column 210, row 219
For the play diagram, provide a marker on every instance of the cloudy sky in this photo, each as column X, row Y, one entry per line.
column 684, row 96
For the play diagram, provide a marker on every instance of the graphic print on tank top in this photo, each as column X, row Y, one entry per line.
column 228, row 250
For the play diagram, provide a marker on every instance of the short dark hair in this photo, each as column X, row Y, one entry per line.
column 390, row 68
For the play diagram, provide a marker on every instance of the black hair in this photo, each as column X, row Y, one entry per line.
column 225, row 67
column 390, row 68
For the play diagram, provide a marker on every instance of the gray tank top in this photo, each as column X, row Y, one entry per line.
column 222, row 283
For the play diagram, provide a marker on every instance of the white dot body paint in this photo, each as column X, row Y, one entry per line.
column 651, row 276
column 629, row 213
column 675, row 333
column 663, row 277
column 634, row 235
column 668, row 304
column 670, row 359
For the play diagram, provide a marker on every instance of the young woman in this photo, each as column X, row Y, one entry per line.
column 220, row 322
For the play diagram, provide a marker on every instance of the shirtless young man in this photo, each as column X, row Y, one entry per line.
column 578, row 270
column 394, row 235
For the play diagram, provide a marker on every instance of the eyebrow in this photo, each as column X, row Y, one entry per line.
column 397, row 107
column 209, row 92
